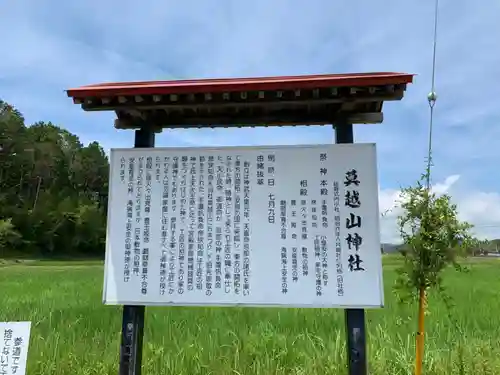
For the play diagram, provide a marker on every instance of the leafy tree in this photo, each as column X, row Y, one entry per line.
column 53, row 189
column 9, row 237
column 434, row 239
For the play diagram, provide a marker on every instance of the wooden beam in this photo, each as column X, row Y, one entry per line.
column 127, row 125
column 365, row 118
column 149, row 105
column 243, row 120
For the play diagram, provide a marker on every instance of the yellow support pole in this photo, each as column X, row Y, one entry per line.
column 420, row 333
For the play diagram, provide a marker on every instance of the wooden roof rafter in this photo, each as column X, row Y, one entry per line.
column 358, row 98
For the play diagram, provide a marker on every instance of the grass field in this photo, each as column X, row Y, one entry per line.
column 73, row 333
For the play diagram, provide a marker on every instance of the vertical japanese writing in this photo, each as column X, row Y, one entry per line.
column 138, row 194
column 158, row 169
column 260, row 170
column 183, row 189
column 353, row 221
column 237, row 226
column 271, row 159
column 324, row 259
column 11, row 351
column 122, row 169
column 320, row 247
column 338, row 241
column 293, row 221
column 294, row 229
column 175, row 176
column 186, row 234
column 192, row 223
column 218, row 221
column 16, row 354
column 284, row 271
column 305, row 261
column 164, row 234
column 314, row 213
column 201, row 225
column 220, row 176
column 303, row 188
column 218, row 257
column 317, row 268
column 304, row 233
column 210, row 220
column 323, row 190
column 271, row 209
column 147, row 226
column 128, row 240
column 323, row 184
column 138, row 218
column 128, row 223
column 6, row 349
column 227, row 225
column 137, row 251
column 183, row 214
column 246, row 228
column 303, row 215
column 176, row 243
column 131, row 169
column 283, row 219
column 295, row 264
column 324, row 209
column 295, row 250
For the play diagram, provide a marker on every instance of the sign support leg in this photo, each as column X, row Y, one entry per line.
column 133, row 316
column 354, row 318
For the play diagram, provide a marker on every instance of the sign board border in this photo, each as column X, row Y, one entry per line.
column 226, row 148
column 26, row 327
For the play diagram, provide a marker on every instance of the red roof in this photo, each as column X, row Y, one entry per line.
column 239, row 84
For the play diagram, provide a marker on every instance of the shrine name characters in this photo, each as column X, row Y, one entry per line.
column 10, row 355
column 353, row 222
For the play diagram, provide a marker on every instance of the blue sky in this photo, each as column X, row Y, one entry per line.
column 54, row 45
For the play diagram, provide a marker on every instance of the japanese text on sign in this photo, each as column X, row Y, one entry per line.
column 14, row 341
column 287, row 225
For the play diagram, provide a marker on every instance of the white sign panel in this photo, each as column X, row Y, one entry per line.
column 14, row 347
column 261, row 226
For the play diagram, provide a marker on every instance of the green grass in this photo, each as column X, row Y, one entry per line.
column 73, row 333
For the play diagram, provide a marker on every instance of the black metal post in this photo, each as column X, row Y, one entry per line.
column 354, row 318
column 133, row 316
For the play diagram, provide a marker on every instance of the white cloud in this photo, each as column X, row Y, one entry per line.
column 444, row 187
column 476, row 207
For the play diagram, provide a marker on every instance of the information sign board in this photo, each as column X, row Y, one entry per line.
column 15, row 339
column 253, row 226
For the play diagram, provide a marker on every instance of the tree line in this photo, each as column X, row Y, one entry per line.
column 53, row 189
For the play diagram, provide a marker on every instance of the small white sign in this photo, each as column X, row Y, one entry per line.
column 253, row 226
column 15, row 339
